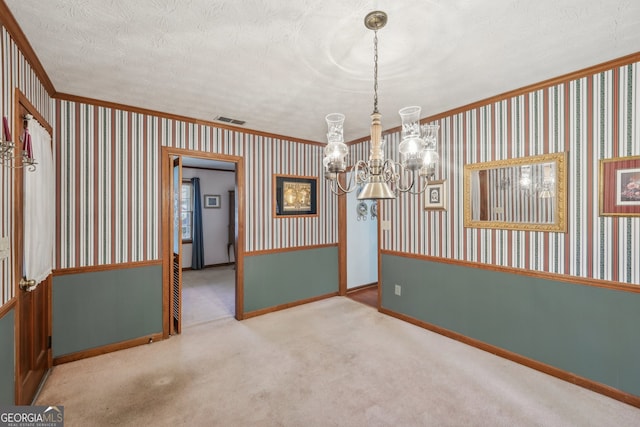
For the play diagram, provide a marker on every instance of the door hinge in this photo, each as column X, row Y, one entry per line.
column 49, row 342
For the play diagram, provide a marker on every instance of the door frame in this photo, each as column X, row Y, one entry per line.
column 176, row 323
column 167, row 226
column 23, row 106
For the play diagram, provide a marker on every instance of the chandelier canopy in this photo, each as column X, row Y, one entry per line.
column 381, row 178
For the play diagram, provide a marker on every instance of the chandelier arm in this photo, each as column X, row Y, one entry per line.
column 399, row 172
column 337, row 189
column 349, row 188
column 31, row 167
column 332, row 189
column 360, row 173
column 421, row 191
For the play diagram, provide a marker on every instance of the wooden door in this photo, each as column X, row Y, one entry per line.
column 176, row 276
column 34, row 340
column 33, row 310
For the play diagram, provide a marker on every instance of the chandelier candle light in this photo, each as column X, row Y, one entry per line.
column 380, row 178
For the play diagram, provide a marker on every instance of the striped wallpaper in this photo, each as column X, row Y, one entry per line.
column 591, row 118
column 109, row 180
column 15, row 73
column 108, row 165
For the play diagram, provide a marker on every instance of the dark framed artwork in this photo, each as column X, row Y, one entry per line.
column 212, row 201
column 295, row 195
column 436, row 195
column 620, row 186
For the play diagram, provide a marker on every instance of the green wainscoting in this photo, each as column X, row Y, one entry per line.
column 7, row 359
column 589, row 331
column 280, row 278
column 98, row 308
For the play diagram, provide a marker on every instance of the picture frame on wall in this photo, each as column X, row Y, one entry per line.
column 212, row 201
column 295, row 195
column 436, row 195
column 620, row 186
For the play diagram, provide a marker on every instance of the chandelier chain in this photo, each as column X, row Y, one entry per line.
column 375, row 71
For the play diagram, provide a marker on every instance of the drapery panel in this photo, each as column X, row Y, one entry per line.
column 39, row 206
column 197, row 247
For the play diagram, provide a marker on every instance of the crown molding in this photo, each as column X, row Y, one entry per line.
column 14, row 30
column 565, row 78
column 107, row 104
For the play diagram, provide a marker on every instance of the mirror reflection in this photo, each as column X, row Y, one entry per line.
column 525, row 193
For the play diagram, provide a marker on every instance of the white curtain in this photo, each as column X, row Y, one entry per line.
column 39, row 207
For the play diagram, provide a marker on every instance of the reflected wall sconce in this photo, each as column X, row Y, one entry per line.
column 7, row 146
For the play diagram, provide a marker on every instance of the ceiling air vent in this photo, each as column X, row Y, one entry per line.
column 228, row 120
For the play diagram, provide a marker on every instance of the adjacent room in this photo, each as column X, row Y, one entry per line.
column 365, row 213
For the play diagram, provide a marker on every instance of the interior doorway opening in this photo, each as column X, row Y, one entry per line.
column 359, row 237
column 208, row 262
column 202, row 238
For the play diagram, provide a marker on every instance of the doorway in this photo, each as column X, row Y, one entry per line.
column 173, row 257
column 208, row 289
column 359, row 252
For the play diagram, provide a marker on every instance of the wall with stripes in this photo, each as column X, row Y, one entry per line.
column 15, row 73
column 591, row 118
column 109, row 181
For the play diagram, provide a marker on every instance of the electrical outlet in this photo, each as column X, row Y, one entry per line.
column 398, row 290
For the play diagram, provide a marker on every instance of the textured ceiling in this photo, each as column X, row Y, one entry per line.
column 283, row 65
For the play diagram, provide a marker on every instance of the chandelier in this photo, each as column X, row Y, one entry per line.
column 380, row 178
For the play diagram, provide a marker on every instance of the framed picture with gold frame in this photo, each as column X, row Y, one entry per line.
column 295, row 195
column 620, row 186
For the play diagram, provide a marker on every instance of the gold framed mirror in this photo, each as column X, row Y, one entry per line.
column 527, row 193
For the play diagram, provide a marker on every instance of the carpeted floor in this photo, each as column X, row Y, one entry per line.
column 334, row 362
column 208, row 294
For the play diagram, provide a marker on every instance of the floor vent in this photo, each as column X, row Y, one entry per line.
column 228, row 120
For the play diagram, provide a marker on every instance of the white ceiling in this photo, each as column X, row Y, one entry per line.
column 284, row 65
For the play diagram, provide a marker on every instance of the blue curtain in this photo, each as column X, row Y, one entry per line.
column 197, row 247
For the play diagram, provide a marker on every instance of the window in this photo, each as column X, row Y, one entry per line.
column 186, row 211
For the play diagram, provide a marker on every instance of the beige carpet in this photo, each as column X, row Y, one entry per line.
column 334, row 362
column 208, row 294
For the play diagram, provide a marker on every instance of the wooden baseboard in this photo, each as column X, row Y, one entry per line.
column 287, row 305
column 597, row 387
column 147, row 339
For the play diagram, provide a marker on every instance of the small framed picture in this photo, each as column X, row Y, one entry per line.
column 620, row 186
column 211, row 201
column 436, row 196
